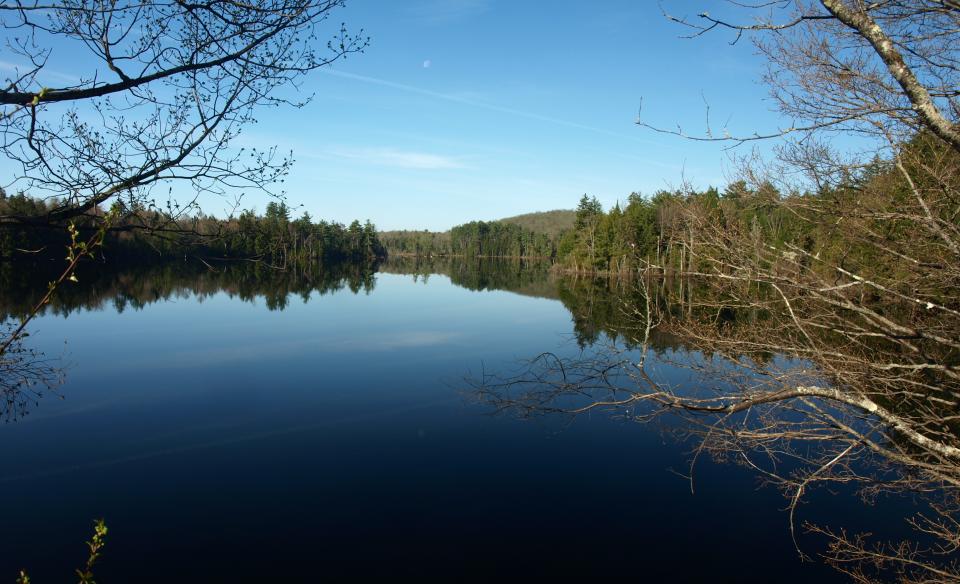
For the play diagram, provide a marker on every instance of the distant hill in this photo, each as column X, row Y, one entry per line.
column 549, row 222
column 509, row 237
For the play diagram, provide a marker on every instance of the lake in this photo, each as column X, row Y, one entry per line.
column 265, row 426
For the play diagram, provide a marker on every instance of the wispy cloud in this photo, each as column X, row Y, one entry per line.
column 446, row 11
column 390, row 157
column 43, row 74
column 480, row 104
column 236, row 436
column 244, row 351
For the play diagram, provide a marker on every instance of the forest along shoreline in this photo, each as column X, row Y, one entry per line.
column 759, row 274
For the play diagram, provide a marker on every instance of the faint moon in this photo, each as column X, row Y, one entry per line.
column 426, row 64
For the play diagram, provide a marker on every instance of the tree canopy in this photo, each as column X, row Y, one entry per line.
column 165, row 88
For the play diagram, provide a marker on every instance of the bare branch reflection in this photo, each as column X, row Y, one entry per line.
column 26, row 375
column 731, row 388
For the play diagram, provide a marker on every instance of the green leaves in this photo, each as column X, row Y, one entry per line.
column 95, row 545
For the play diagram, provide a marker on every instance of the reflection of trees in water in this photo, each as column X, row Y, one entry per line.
column 603, row 309
column 529, row 277
column 733, row 404
column 599, row 306
column 136, row 288
column 781, row 413
column 25, row 376
column 753, row 399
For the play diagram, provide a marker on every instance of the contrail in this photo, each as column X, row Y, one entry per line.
column 228, row 441
column 480, row 104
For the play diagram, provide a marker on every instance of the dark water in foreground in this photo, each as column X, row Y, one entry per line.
column 224, row 439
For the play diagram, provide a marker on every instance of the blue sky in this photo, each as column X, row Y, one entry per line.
column 481, row 109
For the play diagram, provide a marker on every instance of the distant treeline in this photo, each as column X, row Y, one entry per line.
column 642, row 231
column 474, row 239
column 273, row 237
column 665, row 230
column 533, row 235
column 416, row 243
column 685, row 232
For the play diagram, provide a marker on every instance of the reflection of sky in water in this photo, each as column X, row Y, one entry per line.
column 225, row 442
column 244, row 351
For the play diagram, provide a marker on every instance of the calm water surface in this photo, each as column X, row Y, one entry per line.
column 225, row 439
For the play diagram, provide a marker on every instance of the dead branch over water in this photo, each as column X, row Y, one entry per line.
column 825, row 335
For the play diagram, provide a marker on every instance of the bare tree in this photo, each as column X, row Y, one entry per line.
column 26, row 376
column 880, row 69
column 168, row 85
column 164, row 87
column 861, row 304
